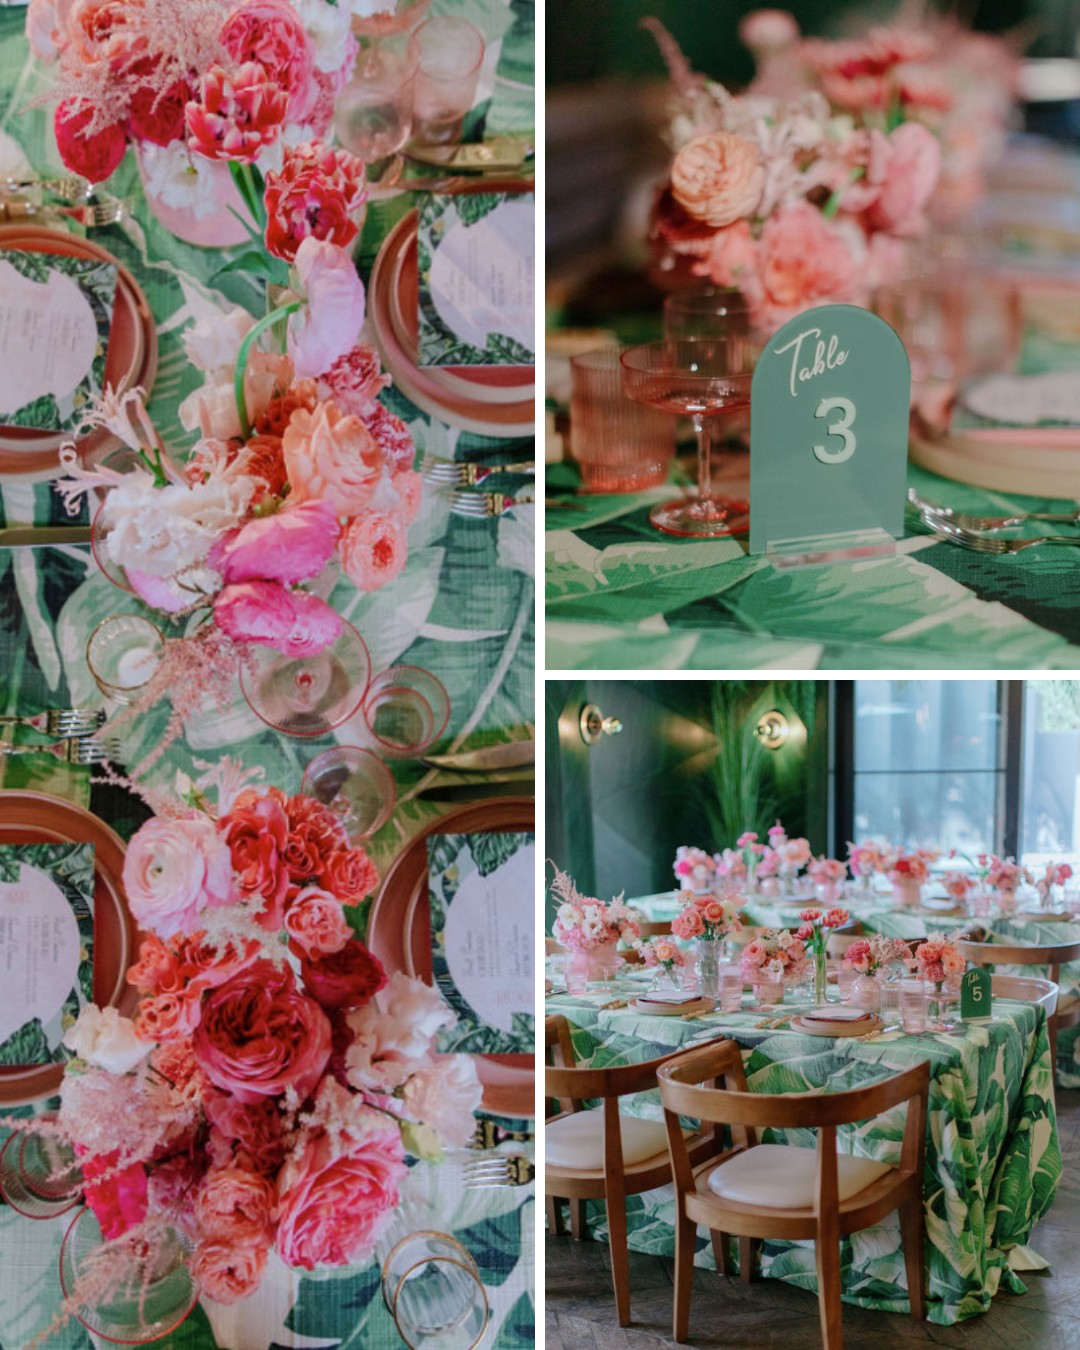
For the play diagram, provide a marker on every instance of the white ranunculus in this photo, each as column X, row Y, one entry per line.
column 213, row 343
column 106, row 1040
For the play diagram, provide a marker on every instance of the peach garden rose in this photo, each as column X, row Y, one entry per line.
column 718, row 178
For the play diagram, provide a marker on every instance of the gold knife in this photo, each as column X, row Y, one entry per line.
column 510, row 755
column 43, row 536
column 500, row 153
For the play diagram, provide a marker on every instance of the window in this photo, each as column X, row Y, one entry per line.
column 1050, row 792
column 929, row 763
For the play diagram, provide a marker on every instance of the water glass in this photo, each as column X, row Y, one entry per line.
column 845, row 978
column 890, row 1002
column 374, row 111
column 731, row 988
column 620, row 445
column 913, row 999
column 123, row 654
column 39, row 1176
column 450, row 52
column 707, row 313
column 432, row 1286
column 355, row 784
column 406, row 710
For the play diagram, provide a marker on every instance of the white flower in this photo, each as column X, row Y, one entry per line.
column 784, row 939
column 212, row 344
column 593, row 925
column 444, row 1096
column 106, row 1040
column 178, row 179
column 392, row 1042
column 328, row 27
column 161, row 531
column 569, row 916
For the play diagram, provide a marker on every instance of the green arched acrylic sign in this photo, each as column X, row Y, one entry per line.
column 828, row 429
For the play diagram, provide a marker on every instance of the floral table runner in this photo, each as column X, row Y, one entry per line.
column 993, row 1159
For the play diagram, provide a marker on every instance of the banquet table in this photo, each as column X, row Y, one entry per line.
column 463, row 608
column 993, row 1160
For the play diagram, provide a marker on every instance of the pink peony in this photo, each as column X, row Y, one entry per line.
column 227, row 1271
column 331, row 455
column 292, row 622
column 913, row 171
column 718, row 178
column 374, row 549
column 445, row 1096
column 730, row 257
column 174, row 869
column 331, row 1206
column 328, row 327
column 270, row 33
column 260, row 1036
column 290, row 546
column 804, row 260
column 237, row 115
column 315, row 922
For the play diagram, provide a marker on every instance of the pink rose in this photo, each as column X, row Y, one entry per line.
column 290, row 546
column 235, row 1205
column 374, row 549
column 330, row 454
column 445, row 1096
column 157, row 970
column 226, row 1271
column 167, row 1017
column 713, row 912
column 323, row 332
column 718, row 178
column 316, row 923
column 252, row 1134
column 803, row 260
column 913, row 172
column 174, row 869
column 688, row 924
column 259, row 1035
column 270, row 33
column 331, row 1208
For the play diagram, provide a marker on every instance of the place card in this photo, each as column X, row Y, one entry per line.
column 1048, row 400
column 481, row 895
column 828, row 437
column 55, row 319
column 46, row 947
column 975, row 995
column 475, row 258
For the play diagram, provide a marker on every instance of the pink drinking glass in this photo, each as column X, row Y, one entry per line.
column 307, row 695
column 39, row 1175
column 705, row 379
column 620, row 445
column 355, row 784
column 450, row 52
column 373, row 113
column 406, row 710
column 707, row 313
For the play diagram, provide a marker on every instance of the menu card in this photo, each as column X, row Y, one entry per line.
column 481, row 891
column 55, row 319
column 1048, row 400
column 46, row 947
column 475, row 255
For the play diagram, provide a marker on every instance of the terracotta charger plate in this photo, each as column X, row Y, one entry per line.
column 822, row 1027
column 698, row 1005
column 399, row 933
column 468, row 409
column 34, row 818
column 131, row 358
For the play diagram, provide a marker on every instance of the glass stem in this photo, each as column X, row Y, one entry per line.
column 703, row 428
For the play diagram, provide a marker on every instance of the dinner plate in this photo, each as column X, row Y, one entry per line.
column 399, row 934
column 837, row 1013
column 34, row 818
column 466, row 411
column 699, row 1005
column 131, row 359
column 812, row 1027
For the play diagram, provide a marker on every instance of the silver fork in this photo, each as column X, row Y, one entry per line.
column 510, row 1169
column 985, row 543
column 61, row 722
column 480, row 504
column 447, row 472
column 488, row 1135
column 89, row 750
column 966, row 521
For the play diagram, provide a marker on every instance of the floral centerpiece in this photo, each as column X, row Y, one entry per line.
column 1004, row 876
column 273, row 1079
column 588, row 928
column 695, row 870
column 775, row 955
column 815, row 925
column 870, row 958
column 804, row 197
column 708, row 919
column 753, row 854
column 1055, row 874
column 939, row 961
column 828, row 875
column 908, row 873
column 665, row 958
column 865, row 859
column 198, row 87
column 791, row 855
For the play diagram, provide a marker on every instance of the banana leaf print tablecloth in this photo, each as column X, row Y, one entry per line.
column 462, row 608
column 993, row 1160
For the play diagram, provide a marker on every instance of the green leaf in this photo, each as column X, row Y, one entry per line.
column 257, row 263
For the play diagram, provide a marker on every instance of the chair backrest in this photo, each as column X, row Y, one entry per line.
column 999, row 954
column 552, row 946
column 1026, row 989
column 682, row 1093
column 838, row 943
column 661, row 928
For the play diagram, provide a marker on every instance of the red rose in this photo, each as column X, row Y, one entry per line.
column 347, row 978
column 349, row 874
column 94, row 155
column 257, row 831
column 154, row 114
column 259, row 1035
column 316, row 195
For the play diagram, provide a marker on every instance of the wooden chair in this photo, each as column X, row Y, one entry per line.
column 778, row 1191
column 1026, row 989
column 603, row 1155
column 1067, row 1012
column 660, row 928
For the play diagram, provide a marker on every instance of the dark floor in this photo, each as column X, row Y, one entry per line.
column 581, row 1307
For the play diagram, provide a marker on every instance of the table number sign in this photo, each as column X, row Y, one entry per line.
column 975, row 995
column 46, row 947
column 480, row 888
column 828, row 434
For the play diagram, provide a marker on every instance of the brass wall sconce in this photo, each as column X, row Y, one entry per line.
column 594, row 725
column 773, row 730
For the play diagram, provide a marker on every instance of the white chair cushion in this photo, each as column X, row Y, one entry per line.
column 577, row 1140
column 779, row 1176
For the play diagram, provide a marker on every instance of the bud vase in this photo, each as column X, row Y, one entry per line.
column 866, row 993
column 708, row 967
column 197, row 206
column 821, row 977
column 665, row 980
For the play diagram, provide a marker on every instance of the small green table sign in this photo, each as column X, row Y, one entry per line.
column 975, row 995
column 828, row 436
